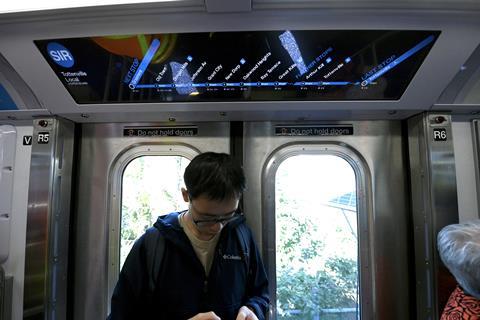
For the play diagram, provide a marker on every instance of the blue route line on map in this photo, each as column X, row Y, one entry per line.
column 144, row 64
column 399, row 60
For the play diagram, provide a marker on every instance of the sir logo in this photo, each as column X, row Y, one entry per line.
column 60, row 55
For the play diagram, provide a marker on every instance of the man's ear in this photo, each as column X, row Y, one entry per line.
column 185, row 196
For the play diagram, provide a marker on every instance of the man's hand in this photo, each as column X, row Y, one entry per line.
column 246, row 314
column 206, row 316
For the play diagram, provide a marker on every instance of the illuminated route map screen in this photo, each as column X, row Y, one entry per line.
column 239, row 66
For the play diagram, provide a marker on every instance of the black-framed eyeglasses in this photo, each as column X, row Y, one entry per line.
column 222, row 219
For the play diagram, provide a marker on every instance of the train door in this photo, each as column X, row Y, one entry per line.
column 128, row 175
column 332, row 210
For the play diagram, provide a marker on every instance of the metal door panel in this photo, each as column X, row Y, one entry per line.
column 102, row 147
column 378, row 151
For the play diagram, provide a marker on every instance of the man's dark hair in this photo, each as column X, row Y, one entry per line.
column 215, row 175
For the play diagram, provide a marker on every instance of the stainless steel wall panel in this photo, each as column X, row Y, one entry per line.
column 46, row 254
column 466, row 158
column 434, row 203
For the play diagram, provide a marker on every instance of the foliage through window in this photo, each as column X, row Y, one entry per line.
column 316, row 239
column 150, row 187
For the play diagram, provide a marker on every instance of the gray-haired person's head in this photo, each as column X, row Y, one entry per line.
column 459, row 248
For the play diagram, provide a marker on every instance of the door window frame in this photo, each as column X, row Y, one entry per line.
column 364, row 215
column 114, row 205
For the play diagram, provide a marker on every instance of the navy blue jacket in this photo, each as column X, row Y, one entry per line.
column 183, row 290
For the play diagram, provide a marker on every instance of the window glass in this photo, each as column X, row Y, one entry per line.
column 150, row 187
column 316, row 239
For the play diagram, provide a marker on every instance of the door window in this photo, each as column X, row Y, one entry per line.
column 150, row 187
column 316, row 239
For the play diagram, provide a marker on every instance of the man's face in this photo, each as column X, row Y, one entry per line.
column 210, row 216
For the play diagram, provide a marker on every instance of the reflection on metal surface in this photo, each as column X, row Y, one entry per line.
column 46, row 253
column 36, row 242
column 434, row 204
column 375, row 152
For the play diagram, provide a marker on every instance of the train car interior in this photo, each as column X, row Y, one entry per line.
column 356, row 123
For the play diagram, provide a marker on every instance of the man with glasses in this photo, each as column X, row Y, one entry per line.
column 210, row 265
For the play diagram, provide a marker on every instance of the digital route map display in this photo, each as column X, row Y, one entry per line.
column 283, row 65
